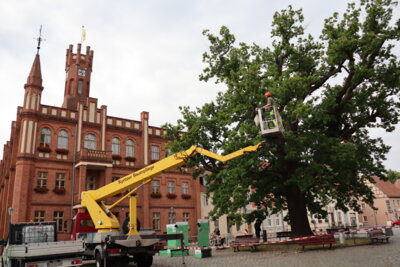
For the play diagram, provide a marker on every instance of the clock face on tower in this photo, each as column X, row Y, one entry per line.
column 81, row 72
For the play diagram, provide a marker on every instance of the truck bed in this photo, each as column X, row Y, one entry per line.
column 46, row 250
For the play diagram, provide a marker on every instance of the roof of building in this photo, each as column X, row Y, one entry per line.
column 35, row 75
column 387, row 187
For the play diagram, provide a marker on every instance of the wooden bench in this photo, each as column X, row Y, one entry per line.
column 251, row 242
column 318, row 240
column 283, row 234
column 378, row 235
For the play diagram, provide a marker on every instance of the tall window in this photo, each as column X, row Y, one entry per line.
column 185, row 188
column 45, row 136
column 171, row 217
column 388, row 206
column 80, row 87
column 59, row 218
column 115, row 146
column 42, row 179
column 60, row 180
column 155, row 184
column 205, row 200
column 130, row 148
column 155, row 152
column 33, row 102
column 39, row 216
column 156, row 221
column 277, row 220
column 186, row 216
column 62, row 141
column 90, row 141
column 90, row 183
column 171, row 187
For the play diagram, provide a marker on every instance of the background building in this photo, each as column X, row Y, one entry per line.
column 55, row 153
column 387, row 204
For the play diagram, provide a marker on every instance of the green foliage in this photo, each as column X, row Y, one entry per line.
column 329, row 93
column 392, row 176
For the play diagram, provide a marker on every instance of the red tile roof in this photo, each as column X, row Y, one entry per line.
column 387, row 188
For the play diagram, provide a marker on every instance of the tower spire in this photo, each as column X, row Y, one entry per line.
column 39, row 39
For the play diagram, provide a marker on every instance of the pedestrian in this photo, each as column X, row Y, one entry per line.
column 257, row 227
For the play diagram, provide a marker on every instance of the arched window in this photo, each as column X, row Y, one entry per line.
column 62, row 141
column 33, row 101
column 90, row 142
column 115, row 146
column 130, row 148
column 45, row 136
column 80, row 87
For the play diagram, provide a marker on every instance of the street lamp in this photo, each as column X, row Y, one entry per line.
column 171, row 214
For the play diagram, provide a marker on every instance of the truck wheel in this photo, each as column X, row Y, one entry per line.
column 144, row 260
column 99, row 260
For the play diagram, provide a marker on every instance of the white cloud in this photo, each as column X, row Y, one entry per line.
column 147, row 53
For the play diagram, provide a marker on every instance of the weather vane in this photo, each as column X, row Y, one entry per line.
column 39, row 39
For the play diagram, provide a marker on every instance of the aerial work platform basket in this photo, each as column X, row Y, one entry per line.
column 269, row 121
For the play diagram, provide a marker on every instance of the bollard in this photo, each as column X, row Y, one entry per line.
column 342, row 238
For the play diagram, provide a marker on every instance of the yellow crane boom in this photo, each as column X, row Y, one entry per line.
column 105, row 221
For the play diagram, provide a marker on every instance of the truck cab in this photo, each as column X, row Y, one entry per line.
column 82, row 223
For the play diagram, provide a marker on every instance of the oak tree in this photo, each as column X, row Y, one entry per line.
column 330, row 91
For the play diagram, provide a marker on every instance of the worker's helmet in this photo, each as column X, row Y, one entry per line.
column 267, row 94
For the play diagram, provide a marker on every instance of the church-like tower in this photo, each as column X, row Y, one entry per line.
column 55, row 153
column 25, row 161
column 78, row 68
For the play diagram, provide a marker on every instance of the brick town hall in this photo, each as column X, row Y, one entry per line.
column 55, row 153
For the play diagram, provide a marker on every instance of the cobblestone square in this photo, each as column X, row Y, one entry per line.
column 382, row 255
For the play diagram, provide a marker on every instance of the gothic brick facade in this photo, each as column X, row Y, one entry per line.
column 55, row 153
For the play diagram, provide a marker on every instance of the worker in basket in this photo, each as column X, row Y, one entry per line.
column 269, row 113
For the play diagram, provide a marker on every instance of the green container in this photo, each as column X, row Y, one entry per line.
column 173, row 252
column 202, row 253
column 176, row 228
column 203, row 233
column 174, row 249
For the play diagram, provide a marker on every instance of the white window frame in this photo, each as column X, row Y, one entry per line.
column 62, row 140
column 155, row 185
column 39, row 216
column 130, row 148
column 60, row 180
column 59, row 219
column 115, row 146
column 45, row 136
column 42, row 179
column 185, row 188
column 171, row 187
column 155, row 152
column 186, row 216
column 90, row 142
column 171, row 217
column 156, row 221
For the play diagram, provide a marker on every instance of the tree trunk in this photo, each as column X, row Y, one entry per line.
column 297, row 211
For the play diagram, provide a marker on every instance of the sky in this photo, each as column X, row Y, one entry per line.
column 147, row 54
